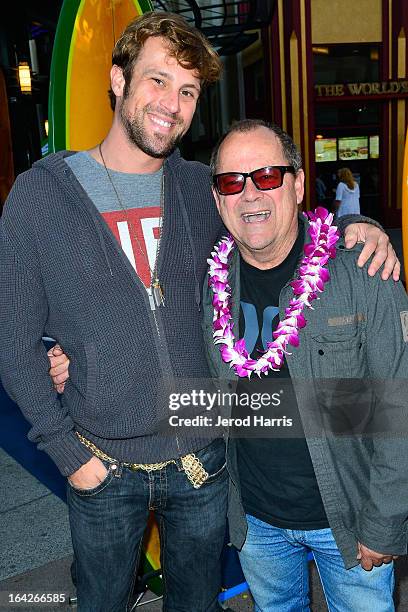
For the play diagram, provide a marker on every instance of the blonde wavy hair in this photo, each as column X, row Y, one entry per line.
column 345, row 176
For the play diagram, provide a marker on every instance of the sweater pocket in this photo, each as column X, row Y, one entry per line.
column 81, row 386
column 110, row 396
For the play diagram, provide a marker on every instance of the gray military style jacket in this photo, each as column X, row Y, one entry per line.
column 350, row 378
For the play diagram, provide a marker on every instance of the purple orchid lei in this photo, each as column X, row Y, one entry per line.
column 310, row 281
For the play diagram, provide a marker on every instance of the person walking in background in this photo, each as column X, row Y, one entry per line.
column 321, row 191
column 347, row 194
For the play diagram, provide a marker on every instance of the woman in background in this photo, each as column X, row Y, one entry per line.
column 347, row 194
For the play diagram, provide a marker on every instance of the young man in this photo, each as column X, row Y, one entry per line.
column 332, row 475
column 90, row 242
column 93, row 246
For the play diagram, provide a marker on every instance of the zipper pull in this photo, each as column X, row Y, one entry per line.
column 158, row 294
column 151, row 301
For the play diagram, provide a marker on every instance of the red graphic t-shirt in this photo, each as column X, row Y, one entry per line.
column 137, row 231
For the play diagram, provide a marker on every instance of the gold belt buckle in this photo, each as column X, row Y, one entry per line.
column 194, row 470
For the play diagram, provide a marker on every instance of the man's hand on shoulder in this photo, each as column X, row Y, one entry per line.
column 375, row 242
column 370, row 558
column 89, row 475
column 59, row 367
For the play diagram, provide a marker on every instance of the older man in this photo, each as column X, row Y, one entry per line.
column 327, row 486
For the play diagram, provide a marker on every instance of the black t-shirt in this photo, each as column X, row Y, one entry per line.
column 277, row 478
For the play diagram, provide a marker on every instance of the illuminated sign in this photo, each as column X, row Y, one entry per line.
column 374, row 147
column 355, row 147
column 384, row 88
column 325, row 149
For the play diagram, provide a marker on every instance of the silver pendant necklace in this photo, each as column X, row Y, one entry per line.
column 156, row 297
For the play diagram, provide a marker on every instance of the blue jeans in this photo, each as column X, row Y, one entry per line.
column 274, row 562
column 107, row 525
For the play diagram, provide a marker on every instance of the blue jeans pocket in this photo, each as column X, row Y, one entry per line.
column 100, row 487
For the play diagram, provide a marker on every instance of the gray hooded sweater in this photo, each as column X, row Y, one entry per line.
column 64, row 275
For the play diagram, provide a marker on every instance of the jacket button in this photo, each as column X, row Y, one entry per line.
column 321, row 352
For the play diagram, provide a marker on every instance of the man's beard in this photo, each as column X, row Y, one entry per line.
column 156, row 145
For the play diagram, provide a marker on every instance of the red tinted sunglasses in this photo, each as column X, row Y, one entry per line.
column 270, row 177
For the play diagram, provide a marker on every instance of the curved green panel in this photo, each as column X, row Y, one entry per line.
column 58, row 76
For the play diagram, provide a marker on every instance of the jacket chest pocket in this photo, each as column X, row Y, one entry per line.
column 339, row 355
column 344, row 393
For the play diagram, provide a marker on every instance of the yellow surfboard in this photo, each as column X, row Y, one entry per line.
column 151, row 558
column 79, row 109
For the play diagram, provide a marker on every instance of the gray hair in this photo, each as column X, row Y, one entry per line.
column 290, row 150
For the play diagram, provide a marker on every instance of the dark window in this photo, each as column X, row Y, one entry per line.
column 351, row 63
